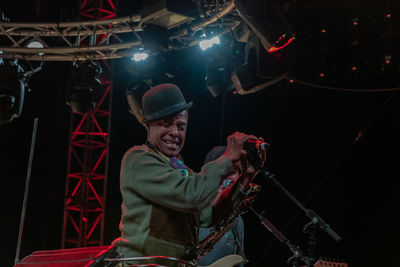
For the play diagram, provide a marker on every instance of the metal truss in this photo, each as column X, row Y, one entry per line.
column 87, row 169
column 104, row 38
column 86, row 179
column 70, row 41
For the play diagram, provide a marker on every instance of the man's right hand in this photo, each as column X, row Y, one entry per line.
column 238, row 155
column 234, row 150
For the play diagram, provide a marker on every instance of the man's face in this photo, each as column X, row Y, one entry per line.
column 168, row 134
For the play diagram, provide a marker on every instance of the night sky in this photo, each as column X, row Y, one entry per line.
column 353, row 184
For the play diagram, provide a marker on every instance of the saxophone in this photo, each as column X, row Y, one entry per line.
column 222, row 227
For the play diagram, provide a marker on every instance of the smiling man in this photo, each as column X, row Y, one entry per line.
column 164, row 201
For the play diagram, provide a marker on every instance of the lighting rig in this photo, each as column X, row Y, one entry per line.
column 159, row 27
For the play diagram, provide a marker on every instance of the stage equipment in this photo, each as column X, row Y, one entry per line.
column 207, row 43
column 109, row 37
column 267, row 21
column 134, row 98
column 268, row 49
column 242, row 33
column 12, row 92
column 309, row 228
column 76, row 257
column 218, row 75
column 298, row 256
column 220, row 64
column 84, row 86
column 168, row 13
column 13, row 84
column 87, row 166
column 315, row 218
column 33, row 43
column 261, row 69
column 140, row 56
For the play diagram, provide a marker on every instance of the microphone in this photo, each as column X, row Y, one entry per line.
column 252, row 148
column 256, row 144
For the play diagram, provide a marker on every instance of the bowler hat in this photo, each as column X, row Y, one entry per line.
column 163, row 100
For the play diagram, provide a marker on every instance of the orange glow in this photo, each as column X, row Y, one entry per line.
column 273, row 49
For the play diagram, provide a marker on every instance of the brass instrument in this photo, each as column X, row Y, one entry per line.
column 222, row 228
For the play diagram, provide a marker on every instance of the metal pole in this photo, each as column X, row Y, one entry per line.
column 28, row 178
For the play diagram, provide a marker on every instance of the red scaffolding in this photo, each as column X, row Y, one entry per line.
column 86, row 179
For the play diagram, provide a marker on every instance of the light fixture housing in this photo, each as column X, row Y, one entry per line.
column 168, row 13
column 266, row 20
column 83, row 88
column 12, row 92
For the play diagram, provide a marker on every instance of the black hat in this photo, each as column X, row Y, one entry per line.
column 163, row 100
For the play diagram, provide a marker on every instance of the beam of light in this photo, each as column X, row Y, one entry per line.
column 205, row 44
column 140, row 56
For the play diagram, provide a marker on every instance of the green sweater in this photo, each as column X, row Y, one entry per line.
column 162, row 207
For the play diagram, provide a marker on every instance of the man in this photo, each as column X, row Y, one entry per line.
column 164, row 202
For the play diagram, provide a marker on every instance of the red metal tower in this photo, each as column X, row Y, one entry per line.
column 86, row 179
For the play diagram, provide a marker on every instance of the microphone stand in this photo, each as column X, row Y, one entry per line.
column 315, row 218
column 298, row 256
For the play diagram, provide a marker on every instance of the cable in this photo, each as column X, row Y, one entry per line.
column 383, row 90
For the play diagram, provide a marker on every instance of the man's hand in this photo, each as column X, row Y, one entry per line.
column 248, row 171
column 234, row 150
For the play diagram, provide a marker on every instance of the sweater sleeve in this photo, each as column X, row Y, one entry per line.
column 149, row 175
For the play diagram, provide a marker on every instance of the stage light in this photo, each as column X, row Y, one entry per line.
column 34, row 44
column 168, row 13
column 83, row 88
column 205, row 44
column 140, row 56
column 220, row 64
column 134, row 98
column 261, row 68
column 12, row 91
column 267, row 21
column 268, row 49
column 217, row 78
column 13, row 83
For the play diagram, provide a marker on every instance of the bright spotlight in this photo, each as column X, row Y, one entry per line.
column 140, row 56
column 35, row 44
column 209, row 43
